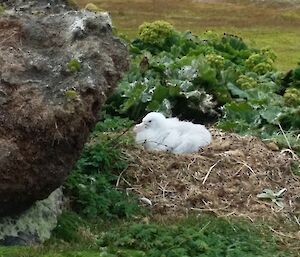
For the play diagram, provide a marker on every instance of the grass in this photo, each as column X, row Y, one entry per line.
column 205, row 236
column 271, row 23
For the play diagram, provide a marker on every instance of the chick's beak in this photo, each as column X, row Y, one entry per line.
column 139, row 127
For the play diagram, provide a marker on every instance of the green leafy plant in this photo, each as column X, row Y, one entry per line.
column 261, row 62
column 207, row 77
column 112, row 124
column 275, row 197
column 91, row 184
column 292, row 96
column 155, row 33
column 292, row 78
column 189, row 76
column 67, row 227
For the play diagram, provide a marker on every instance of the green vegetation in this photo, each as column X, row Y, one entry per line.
column 91, row 185
column 186, row 70
column 203, row 236
column 74, row 65
column 71, row 94
column 203, row 78
column 2, row 9
column 156, row 33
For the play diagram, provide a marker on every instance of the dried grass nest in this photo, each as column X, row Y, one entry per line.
column 224, row 178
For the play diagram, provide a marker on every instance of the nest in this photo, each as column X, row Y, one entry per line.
column 223, row 179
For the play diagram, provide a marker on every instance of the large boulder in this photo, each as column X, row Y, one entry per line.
column 55, row 73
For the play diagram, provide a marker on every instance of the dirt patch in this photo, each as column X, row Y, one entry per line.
column 223, row 179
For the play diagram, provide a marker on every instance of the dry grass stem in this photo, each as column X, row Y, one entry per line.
column 209, row 171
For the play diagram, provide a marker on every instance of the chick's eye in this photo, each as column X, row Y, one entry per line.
column 150, row 121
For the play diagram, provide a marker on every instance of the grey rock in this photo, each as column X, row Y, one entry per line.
column 38, row 6
column 35, row 224
column 56, row 72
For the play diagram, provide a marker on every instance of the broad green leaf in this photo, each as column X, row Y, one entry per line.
column 280, row 192
column 235, row 91
column 241, row 111
column 153, row 106
column 271, row 114
column 134, row 96
column 160, row 93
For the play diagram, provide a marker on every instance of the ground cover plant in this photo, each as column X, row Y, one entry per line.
column 91, row 185
column 192, row 236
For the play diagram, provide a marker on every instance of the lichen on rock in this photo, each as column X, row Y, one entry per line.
column 35, row 224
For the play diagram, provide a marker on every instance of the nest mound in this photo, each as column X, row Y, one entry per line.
column 223, row 178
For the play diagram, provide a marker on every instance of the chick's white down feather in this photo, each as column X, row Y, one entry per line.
column 156, row 132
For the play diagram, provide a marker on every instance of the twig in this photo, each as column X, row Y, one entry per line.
column 127, row 182
column 209, row 171
column 192, row 162
column 119, row 177
column 295, row 156
column 116, row 138
column 227, row 214
column 8, row 37
column 281, row 234
column 204, row 227
column 163, row 189
column 297, row 220
column 287, row 141
column 246, row 165
column 211, row 209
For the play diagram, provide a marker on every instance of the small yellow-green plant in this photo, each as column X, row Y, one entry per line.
column 2, row 9
column 74, row 65
column 155, row 32
column 261, row 62
column 215, row 60
column 246, row 82
column 292, row 96
column 71, row 94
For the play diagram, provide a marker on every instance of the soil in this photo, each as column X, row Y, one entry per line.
column 223, row 179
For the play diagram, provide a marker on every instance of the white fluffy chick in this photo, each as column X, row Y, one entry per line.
column 156, row 132
column 152, row 131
